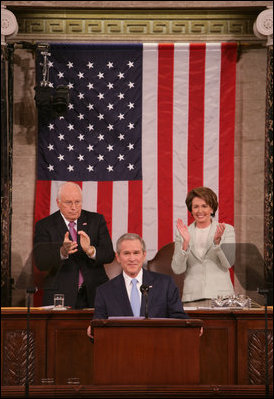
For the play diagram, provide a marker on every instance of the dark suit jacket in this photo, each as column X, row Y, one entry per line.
column 62, row 275
column 163, row 298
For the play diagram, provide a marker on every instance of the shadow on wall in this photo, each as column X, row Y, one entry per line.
column 25, row 114
column 250, row 272
column 21, row 281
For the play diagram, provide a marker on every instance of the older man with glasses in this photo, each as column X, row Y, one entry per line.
column 72, row 245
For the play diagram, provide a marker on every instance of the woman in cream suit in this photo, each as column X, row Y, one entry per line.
column 204, row 251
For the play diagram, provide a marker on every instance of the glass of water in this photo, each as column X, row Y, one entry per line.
column 59, row 301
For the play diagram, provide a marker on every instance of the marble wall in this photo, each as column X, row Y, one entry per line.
column 249, row 163
column 24, row 169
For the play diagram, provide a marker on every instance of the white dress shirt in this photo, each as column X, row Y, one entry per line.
column 201, row 238
column 139, row 279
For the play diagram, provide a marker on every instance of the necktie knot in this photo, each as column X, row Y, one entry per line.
column 72, row 224
column 134, row 281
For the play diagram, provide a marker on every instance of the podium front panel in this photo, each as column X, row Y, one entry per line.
column 149, row 352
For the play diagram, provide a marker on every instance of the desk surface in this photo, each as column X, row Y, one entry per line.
column 41, row 310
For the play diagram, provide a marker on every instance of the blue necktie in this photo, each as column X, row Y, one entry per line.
column 135, row 298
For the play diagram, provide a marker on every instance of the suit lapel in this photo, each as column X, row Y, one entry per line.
column 61, row 225
column 82, row 223
column 209, row 239
column 193, row 241
column 211, row 235
column 121, row 294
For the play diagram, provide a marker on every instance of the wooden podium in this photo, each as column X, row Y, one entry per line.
column 130, row 351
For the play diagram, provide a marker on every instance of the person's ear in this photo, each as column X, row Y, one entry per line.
column 117, row 257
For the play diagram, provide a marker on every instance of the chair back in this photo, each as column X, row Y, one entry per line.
column 161, row 263
column 113, row 269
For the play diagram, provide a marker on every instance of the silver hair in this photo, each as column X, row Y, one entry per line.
column 129, row 236
column 60, row 188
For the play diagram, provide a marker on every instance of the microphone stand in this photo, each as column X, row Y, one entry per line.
column 265, row 292
column 29, row 291
column 144, row 290
column 146, row 303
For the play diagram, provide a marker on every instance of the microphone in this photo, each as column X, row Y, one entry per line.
column 32, row 290
column 262, row 291
column 144, row 290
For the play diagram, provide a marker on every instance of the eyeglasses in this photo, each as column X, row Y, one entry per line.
column 69, row 204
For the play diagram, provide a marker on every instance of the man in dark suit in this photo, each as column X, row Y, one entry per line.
column 72, row 245
column 113, row 298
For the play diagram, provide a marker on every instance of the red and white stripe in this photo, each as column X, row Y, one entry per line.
column 187, row 141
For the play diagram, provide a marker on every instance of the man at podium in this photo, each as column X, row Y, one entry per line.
column 137, row 292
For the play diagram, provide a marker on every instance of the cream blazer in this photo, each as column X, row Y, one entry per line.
column 207, row 276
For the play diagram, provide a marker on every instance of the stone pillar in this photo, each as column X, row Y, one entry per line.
column 9, row 27
column 5, row 189
column 268, row 179
column 263, row 28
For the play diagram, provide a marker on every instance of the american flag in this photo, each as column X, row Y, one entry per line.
column 145, row 124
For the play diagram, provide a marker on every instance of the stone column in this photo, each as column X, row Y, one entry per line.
column 5, row 189
column 9, row 27
column 268, row 176
column 263, row 28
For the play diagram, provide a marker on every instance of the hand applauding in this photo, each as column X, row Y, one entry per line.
column 183, row 230
column 218, row 234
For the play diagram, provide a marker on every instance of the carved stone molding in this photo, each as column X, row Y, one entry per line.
column 9, row 26
column 164, row 25
column 263, row 26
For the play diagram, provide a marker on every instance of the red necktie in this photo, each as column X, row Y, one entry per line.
column 73, row 234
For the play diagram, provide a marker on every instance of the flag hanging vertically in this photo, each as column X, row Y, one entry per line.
column 145, row 124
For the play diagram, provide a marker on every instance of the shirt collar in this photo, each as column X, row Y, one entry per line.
column 139, row 277
column 67, row 221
